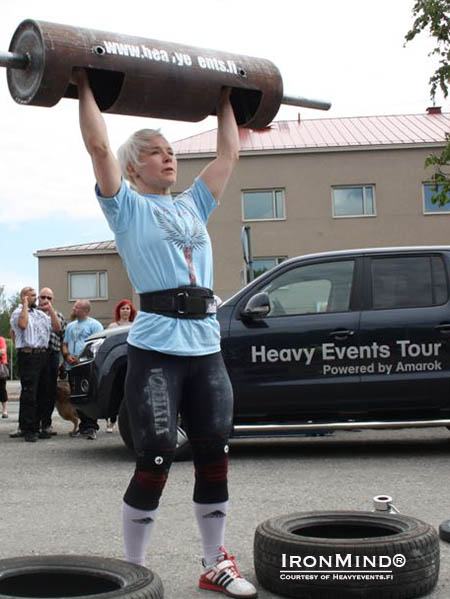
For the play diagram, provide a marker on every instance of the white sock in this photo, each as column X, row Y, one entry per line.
column 211, row 518
column 137, row 526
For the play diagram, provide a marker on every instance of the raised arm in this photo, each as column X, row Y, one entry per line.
column 95, row 137
column 217, row 173
column 23, row 316
column 56, row 323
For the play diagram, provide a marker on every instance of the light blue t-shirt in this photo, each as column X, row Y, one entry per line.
column 163, row 243
column 76, row 334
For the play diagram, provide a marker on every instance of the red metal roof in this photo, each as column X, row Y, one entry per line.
column 332, row 133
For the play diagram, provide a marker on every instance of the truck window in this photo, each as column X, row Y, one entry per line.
column 313, row 288
column 408, row 282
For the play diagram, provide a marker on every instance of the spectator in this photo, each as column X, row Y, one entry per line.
column 124, row 313
column 3, row 379
column 32, row 329
column 46, row 395
column 77, row 331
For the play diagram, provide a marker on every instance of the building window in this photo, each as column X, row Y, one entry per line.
column 263, row 204
column 430, row 190
column 88, row 285
column 262, row 265
column 354, row 200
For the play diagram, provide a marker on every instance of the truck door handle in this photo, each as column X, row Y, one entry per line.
column 342, row 334
column 444, row 329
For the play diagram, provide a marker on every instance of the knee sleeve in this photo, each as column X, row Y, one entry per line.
column 211, row 469
column 149, row 479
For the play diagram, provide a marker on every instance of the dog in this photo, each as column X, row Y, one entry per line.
column 64, row 406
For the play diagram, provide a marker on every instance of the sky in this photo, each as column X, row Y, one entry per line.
column 349, row 52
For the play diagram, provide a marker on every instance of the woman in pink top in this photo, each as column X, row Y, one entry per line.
column 3, row 392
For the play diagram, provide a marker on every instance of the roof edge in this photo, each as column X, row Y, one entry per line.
column 61, row 252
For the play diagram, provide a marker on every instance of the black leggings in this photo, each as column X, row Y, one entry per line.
column 3, row 392
column 157, row 388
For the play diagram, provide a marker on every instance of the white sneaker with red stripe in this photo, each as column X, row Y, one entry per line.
column 225, row 577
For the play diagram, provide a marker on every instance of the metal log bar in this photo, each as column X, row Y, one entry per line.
column 13, row 60
column 305, row 102
column 123, row 69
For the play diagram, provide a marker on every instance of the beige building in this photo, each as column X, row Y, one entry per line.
column 301, row 186
column 92, row 270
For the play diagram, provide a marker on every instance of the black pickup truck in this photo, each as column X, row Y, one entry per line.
column 337, row 340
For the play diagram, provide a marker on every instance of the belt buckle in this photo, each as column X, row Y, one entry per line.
column 211, row 306
column 184, row 295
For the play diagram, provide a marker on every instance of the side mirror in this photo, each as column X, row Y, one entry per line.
column 257, row 306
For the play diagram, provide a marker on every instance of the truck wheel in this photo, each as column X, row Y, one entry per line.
column 335, row 555
column 76, row 576
column 183, row 450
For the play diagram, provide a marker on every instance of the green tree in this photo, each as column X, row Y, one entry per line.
column 4, row 318
column 433, row 16
column 7, row 306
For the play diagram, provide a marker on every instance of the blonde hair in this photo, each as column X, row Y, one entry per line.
column 129, row 153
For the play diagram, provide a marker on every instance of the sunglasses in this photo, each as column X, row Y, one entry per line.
column 48, row 297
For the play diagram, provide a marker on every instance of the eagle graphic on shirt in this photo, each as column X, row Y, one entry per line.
column 188, row 235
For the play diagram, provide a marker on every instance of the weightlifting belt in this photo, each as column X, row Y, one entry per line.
column 180, row 302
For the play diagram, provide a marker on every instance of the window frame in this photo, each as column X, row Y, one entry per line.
column 88, row 272
column 355, row 186
column 273, row 190
column 425, row 212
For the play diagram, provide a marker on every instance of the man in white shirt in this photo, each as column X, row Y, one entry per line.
column 32, row 329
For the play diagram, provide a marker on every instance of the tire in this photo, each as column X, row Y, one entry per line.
column 77, row 577
column 321, row 536
column 444, row 531
column 183, row 449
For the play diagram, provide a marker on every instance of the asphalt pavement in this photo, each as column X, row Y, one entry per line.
column 63, row 495
column 13, row 389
